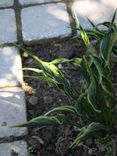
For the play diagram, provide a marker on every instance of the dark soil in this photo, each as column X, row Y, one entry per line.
column 55, row 141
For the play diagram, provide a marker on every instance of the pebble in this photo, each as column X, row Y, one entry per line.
column 48, row 99
column 89, row 142
column 33, row 100
column 91, row 151
column 101, row 148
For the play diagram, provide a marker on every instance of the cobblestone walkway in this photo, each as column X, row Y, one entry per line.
column 29, row 21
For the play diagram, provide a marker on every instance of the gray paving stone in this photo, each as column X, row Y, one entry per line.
column 12, row 111
column 45, row 21
column 36, row 1
column 10, row 67
column 6, row 3
column 97, row 11
column 18, row 148
column 7, row 26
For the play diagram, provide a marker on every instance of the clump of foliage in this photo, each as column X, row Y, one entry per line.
column 95, row 104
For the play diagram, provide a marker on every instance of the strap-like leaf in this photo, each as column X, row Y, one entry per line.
column 52, row 74
column 87, row 110
column 84, row 36
column 87, row 42
column 98, row 69
column 60, row 119
column 95, row 29
column 40, row 121
column 59, row 61
column 114, row 16
column 82, row 65
column 33, row 70
column 107, row 89
column 107, row 45
column 88, row 131
column 35, row 58
column 63, row 109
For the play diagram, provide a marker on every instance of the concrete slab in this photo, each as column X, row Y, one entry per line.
column 7, row 26
column 18, row 148
column 10, row 67
column 97, row 11
column 24, row 2
column 12, row 111
column 47, row 21
column 6, row 3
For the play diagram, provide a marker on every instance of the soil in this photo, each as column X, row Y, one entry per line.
column 55, row 141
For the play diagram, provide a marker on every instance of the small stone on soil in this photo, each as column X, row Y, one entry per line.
column 48, row 99
column 33, row 100
column 91, row 151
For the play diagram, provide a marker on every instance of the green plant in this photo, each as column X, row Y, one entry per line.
column 98, row 33
column 94, row 103
column 105, row 143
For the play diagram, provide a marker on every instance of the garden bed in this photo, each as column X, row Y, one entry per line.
column 51, row 141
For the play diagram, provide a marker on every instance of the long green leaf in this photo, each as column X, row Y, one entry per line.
column 87, row 42
column 82, row 65
column 40, row 121
column 33, row 70
column 60, row 119
column 63, row 109
column 88, row 131
column 52, row 74
column 84, row 36
column 35, row 58
column 59, row 61
column 107, row 45
column 114, row 16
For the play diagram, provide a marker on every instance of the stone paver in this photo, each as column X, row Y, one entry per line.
column 10, row 67
column 45, row 21
column 96, row 10
column 6, row 3
column 12, row 111
column 7, row 26
column 36, row 1
column 18, row 148
column 41, row 21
